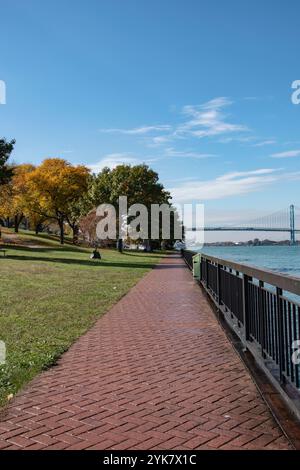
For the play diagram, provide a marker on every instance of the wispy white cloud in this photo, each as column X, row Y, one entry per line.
column 215, row 103
column 142, row 130
column 158, row 141
column 236, row 217
column 171, row 152
column 204, row 120
column 287, row 154
column 236, row 138
column 229, row 184
column 208, row 120
column 292, row 142
column 112, row 160
column 264, row 143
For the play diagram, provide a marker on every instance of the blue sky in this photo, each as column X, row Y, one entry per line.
column 200, row 90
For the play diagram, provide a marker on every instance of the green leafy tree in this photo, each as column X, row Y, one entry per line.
column 6, row 170
column 139, row 183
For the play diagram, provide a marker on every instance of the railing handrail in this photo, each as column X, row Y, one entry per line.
column 283, row 281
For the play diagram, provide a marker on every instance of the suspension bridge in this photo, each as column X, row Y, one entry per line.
column 287, row 220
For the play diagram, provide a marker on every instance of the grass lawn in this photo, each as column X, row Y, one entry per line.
column 51, row 295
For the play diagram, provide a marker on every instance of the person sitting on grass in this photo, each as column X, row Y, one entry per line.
column 95, row 254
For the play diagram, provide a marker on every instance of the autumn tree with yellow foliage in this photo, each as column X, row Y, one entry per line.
column 54, row 188
column 14, row 195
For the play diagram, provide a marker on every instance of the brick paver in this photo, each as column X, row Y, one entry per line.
column 156, row 372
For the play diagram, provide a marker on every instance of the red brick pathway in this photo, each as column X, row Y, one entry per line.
column 156, row 372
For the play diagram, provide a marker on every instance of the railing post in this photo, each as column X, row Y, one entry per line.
column 201, row 269
column 206, row 265
column 261, row 318
column 280, row 333
column 219, row 293
column 246, row 280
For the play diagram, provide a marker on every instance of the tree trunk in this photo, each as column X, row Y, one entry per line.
column 62, row 231
column 18, row 220
column 16, row 224
column 75, row 230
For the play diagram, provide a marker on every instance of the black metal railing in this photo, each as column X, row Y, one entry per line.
column 263, row 309
column 188, row 257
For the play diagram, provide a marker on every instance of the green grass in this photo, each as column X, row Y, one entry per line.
column 29, row 237
column 50, row 296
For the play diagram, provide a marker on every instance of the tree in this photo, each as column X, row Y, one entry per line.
column 55, row 187
column 36, row 221
column 76, row 210
column 20, row 193
column 13, row 195
column 139, row 183
column 6, row 212
column 88, row 227
column 5, row 170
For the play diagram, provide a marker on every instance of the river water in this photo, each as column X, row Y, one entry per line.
column 283, row 259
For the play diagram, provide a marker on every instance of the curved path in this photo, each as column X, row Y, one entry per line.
column 155, row 372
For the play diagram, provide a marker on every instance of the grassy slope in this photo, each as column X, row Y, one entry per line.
column 49, row 296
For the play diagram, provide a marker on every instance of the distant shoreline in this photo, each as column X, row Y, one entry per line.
column 253, row 243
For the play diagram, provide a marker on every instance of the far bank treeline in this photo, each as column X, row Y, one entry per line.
column 57, row 192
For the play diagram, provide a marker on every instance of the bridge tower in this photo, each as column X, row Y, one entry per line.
column 292, row 224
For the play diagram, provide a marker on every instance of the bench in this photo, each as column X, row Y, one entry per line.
column 2, row 251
